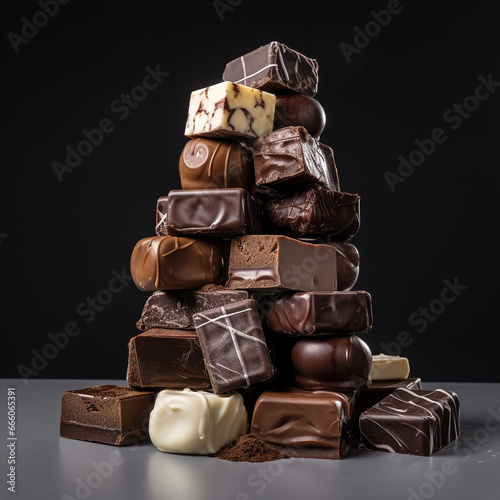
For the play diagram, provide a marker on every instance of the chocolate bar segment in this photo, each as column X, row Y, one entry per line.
column 107, row 414
column 166, row 358
column 230, row 111
column 312, row 424
column 411, row 422
column 299, row 110
column 175, row 309
column 233, row 345
column 209, row 212
column 275, row 68
column 196, row 422
column 274, row 262
column 340, row 363
column 315, row 211
column 176, row 263
column 212, row 163
column 347, row 264
column 291, row 157
column 319, row 313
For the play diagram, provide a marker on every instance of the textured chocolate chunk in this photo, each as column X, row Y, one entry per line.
column 175, row 309
column 340, row 363
column 264, row 262
column 212, row 163
column 233, row 345
column 166, row 358
column 315, row 211
column 312, row 424
column 319, row 313
column 276, row 68
column 299, row 110
column 176, row 263
column 411, row 422
column 230, row 111
column 225, row 212
column 291, row 157
column 107, row 414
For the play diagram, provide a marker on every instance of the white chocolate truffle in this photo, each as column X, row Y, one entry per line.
column 196, row 422
column 230, row 110
column 386, row 367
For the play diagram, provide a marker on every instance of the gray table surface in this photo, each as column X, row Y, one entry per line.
column 50, row 467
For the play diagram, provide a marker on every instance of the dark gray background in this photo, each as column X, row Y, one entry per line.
column 61, row 242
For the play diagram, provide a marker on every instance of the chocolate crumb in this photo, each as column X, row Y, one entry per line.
column 249, row 448
column 211, row 287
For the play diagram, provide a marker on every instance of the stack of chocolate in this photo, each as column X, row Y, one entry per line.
column 252, row 324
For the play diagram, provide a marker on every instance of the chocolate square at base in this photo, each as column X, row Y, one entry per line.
column 107, row 414
column 233, row 345
column 309, row 424
column 411, row 422
column 166, row 358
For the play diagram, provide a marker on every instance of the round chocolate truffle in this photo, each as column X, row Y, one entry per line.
column 341, row 363
column 299, row 110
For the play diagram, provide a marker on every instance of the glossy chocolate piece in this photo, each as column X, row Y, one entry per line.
column 175, row 309
column 176, row 263
column 299, row 110
column 291, row 157
column 310, row 424
column 315, row 211
column 107, row 414
column 225, row 212
column 379, row 389
column 275, row 262
column 166, row 358
column 319, row 313
column 275, row 68
column 233, row 345
column 340, row 363
column 213, row 163
column 411, row 422
column 230, row 111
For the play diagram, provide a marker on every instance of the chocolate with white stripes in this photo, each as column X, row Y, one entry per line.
column 233, row 345
column 276, row 68
column 411, row 422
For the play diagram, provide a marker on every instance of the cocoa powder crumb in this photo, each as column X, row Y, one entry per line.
column 249, row 448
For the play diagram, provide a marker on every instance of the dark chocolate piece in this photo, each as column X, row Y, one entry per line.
column 312, row 424
column 107, row 414
column 224, row 212
column 211, row 163
column 260, row 262
column 175, row 309
column 291, row 157
column 275, row 68
column 319, row 313
column 379, row 389
column 176, row 263
column 299, row 110
column 166, row 358
column 339, row 363
column 315, row 211
column 411, row 422
column 233, row 345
